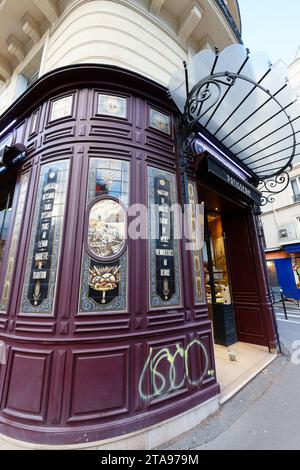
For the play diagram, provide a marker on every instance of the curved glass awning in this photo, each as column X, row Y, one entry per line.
column 245, row 103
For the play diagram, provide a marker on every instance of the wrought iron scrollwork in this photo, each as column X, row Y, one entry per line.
column 208, row 94
column 271, row 187
column 202, row 92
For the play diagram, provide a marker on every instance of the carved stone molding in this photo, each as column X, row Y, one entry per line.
column 31, row 28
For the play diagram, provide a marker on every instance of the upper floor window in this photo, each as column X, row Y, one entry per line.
column 29, row 74
column 295, row 183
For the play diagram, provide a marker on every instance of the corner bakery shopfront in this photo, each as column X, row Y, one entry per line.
column 105, row 334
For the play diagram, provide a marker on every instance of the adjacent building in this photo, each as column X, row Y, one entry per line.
column 281, row 223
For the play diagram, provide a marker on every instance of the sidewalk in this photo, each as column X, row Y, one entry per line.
column 211, row 433
column 265, row 414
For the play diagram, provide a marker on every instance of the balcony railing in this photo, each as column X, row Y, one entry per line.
column 229, row 19
column 296, row 198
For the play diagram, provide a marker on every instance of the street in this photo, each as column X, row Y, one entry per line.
column 263, row 415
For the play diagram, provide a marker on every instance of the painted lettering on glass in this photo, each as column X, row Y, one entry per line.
column 163, row 246
column 39, row 283
column 165, row 270
column 43, row 256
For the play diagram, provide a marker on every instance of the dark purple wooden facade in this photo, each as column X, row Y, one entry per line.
column 71, row 378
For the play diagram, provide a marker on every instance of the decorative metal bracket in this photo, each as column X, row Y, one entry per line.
column 271, row 187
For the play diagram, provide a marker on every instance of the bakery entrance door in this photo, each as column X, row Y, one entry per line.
column 217, row 281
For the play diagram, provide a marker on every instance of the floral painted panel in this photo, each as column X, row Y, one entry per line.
column 160, row 121
column 112, row 106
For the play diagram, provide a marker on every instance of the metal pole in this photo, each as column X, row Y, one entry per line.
column 283, row 304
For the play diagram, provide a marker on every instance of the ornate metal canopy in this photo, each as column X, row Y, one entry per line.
column 247, row 105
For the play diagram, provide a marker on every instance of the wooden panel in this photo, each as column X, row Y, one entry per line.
column 249, row 320
column 246, row 273
column 99, row 384
column 27, row 383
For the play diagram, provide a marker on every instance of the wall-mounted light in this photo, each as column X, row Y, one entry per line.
column 10, row 155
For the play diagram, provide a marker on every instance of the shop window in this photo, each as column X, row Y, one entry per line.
column 112, row 106
column 163, row 246
column 296, row 269
column 159, row 121
column 61, row 108
column 43, row 257
column 272, row 274
column 215, row 262
column 13, row 243
column 104, row 264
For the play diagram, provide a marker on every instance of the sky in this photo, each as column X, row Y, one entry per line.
column 272, row 26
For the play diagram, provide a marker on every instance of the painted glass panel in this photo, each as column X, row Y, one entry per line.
column 6, row 200
column 163, row 246
column 61, row 108
column 43, row 257
column 106, row 233
column 197, row 264
column 34, row 121
column 112, row 106
column 14, row 241
column 104, row 284
column 160, row 121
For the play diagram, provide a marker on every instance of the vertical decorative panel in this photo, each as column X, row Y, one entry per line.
column 14, row 242
column 104, row 283
column 163, row 247
column 197, row 262
column 42, row 264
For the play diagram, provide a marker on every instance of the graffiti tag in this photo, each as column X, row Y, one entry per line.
column 170, row 382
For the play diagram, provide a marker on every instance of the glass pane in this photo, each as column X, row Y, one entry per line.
column 61, row 108
column 42, row 264
column 160, row 121
column 14, row 241
column 163, row 246
column 6, row 198
column 106, row 233
column 104, row 284
column 196, row 254
column 112, row 106
column 217, row 265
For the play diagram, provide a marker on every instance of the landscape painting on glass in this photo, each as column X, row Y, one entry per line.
column 106, row 231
